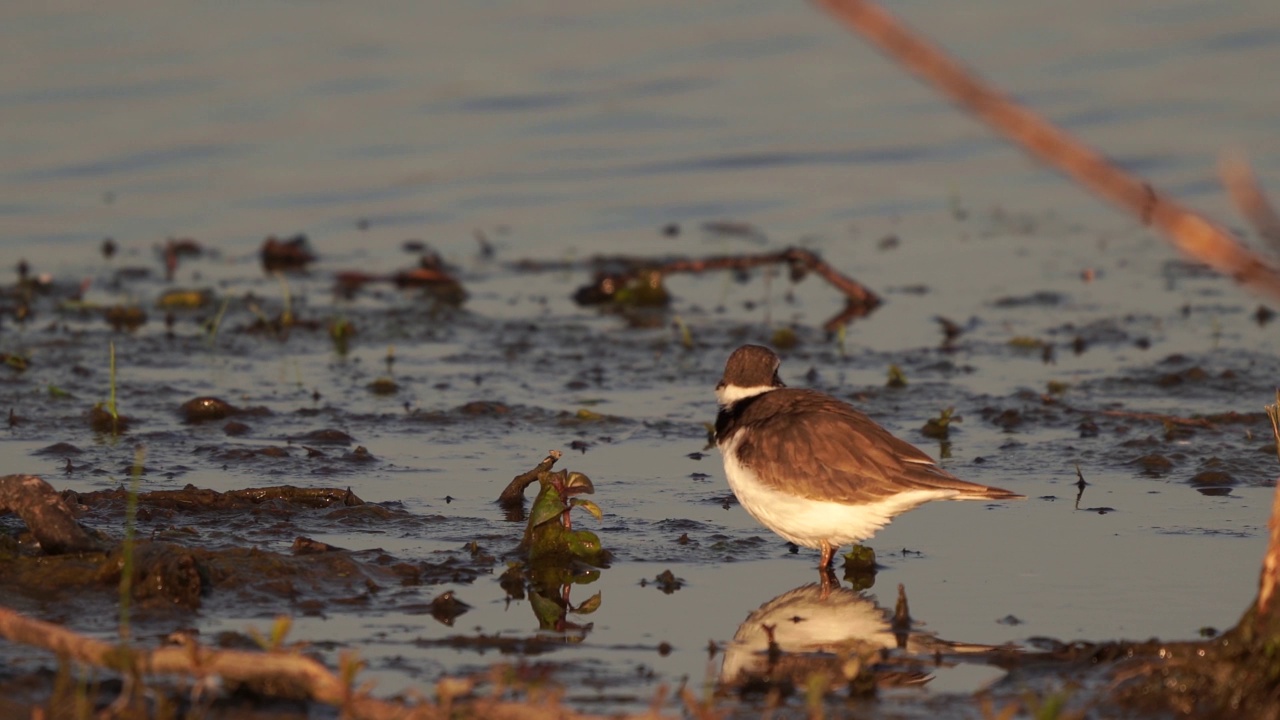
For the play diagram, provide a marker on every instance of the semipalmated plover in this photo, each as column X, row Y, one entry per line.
column 812, row 468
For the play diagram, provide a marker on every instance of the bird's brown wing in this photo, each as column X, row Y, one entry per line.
column 834, row 452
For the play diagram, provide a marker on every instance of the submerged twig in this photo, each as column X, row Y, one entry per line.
column 622, row 272
column 800, row 260
column 1186, row 230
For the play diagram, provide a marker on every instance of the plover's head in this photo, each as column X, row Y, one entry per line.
column 751, row 370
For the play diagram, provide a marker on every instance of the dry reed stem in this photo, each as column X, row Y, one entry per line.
column 1185, row 229
column 1188, row 231
column 1271, row 561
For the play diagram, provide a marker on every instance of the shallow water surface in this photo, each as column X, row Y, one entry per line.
column 565, row 133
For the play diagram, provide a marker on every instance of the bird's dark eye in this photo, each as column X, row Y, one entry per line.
column 720, row 385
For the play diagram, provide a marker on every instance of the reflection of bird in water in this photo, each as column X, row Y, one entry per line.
column 845, row 636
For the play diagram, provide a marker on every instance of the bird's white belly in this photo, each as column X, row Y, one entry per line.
column 808, row 522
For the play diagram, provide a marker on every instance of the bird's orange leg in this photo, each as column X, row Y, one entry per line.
column 824, row 569
column 828, row 551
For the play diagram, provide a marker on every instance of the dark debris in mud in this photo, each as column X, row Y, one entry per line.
column 666, row 581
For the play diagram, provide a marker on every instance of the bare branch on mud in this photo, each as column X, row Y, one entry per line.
column 1188, row 231
column 283, row 670
column 859, row 301
column 800, row 260
column 513, row 494
column 46, row 514
column 627, row 271
column 234, row 665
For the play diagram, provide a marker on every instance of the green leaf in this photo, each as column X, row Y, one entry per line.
column 579, row 484
column 548, row 612
column 589, row 605
column 585, row 545
column 897, row 378
column 544, row 512
column 589, row 506
column 279, row 631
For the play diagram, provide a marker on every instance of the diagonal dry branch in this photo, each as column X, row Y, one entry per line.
column 290, row 673
column 1235, row 675
column 293, row 670
column 1243, row 186
column 1187, row 230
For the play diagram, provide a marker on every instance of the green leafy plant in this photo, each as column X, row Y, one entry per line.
column 897, row 378
column 940, row 427
column 549, row 533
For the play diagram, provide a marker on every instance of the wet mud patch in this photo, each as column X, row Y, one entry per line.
column 426, row 409
column 246, row 550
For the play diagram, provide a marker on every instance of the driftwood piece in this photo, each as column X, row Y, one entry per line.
column 1185, row 229
column 859, row 301
column 800, row 260
column 614, row 272
column 46, row 514
column 513, row 495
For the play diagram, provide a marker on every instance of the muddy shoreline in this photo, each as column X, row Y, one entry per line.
column 1146, row 422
